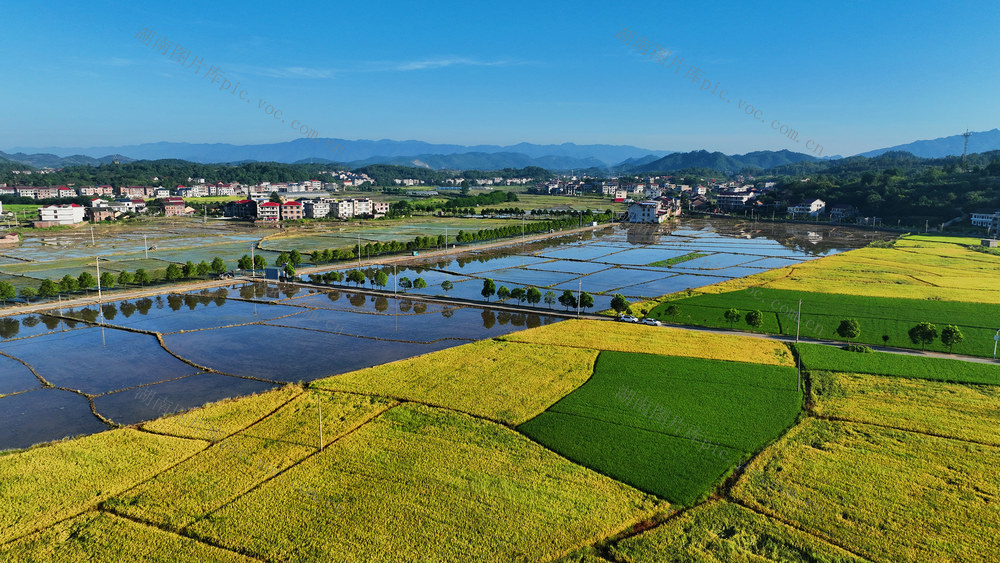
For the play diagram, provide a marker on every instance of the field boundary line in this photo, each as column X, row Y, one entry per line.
column 796, row 526
column 97, row 507
column 204, row 541
column 361, row 423
column 44, row 382
column 898, row 429
column 231, row 434
column 403, row 400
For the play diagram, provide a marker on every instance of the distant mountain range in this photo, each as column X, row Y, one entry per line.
column 621, row 159
column 42, row 160
column 981, row 141
column 715, row 161
column 561, row 157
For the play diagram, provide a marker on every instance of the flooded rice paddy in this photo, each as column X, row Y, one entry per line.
column 75, row 371
column 79, row 371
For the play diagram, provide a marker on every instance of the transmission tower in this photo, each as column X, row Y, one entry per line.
column 965, row 149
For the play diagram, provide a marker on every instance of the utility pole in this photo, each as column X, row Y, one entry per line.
column 98, row 258
column 996, row 337
column 145, row 245
column 253, row 266
column 798, row 322
column 579, row 292
column 319, row 404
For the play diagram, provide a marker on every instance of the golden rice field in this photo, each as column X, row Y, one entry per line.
column 628, row 337
column 967, row 412
column 230, row 468
column 97, row 536
column 725, row 531
column 218, row 420
column 502, row 381
column 420, row 483
column 43, row 485
column 917, row 267
column 889, row 495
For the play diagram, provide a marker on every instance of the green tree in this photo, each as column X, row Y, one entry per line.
column 518, row 293
column 419, row 284
column 142, row 277
column 7, row 291
column 567, row 299
column 381, row 278
column 405, row 283
column 295, row 258
column 550, row 298
column 259, row 262
column 733, row 316
column 289, row 271
column 282, row 259
column 28, row 293
column 48, row 289
column 951, row 335
column 672, row 311
column 923, row 334
column 503, row 294
column 489, row 289
column 68, row 284
column 188, row 269
column 218, row 266
column 173, row 272
column 534, row 296
column 245, row 263
column 107, row 280
column 849, row 329
column 586, row 300
column 274, row 198
column 86, row 280
column 447, row 286
column 356, row 277
column 203, row 269
column 619, row 303
column 754, row 319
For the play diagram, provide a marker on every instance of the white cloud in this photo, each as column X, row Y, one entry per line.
column 446, row 62
column 283, row 72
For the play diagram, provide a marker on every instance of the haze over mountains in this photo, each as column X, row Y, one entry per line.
column 567, row 156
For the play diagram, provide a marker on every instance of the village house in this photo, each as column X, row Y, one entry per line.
column 291, row 210
column 66, row 214
column 173, row 206
column 268, row 211
column 810, row 207
column 316, row 208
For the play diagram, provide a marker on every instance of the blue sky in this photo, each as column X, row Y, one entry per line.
column 849, row 76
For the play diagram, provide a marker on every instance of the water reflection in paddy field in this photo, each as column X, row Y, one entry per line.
column 607, row 260
column 213, row 346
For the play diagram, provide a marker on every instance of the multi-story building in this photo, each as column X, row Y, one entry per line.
column 316, row 208
column 810, row 207
column 343, row 209
column 291, row 210
column 985, row 219
column 68, row 214
column 380, row 208
column 173, row 206
column 734, row 199
column 268, row 211
column 645, row 212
